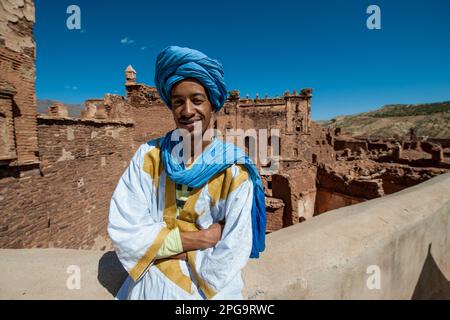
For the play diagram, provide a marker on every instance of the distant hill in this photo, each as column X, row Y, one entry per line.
column 430, row 119
column 74, row 109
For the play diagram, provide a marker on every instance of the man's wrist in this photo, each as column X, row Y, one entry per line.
column 202, row 239
column 205, row 236
column 195, row 240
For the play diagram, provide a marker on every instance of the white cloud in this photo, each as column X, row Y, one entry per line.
column 126, row 41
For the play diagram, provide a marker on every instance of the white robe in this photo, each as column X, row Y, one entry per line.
column 142, row 212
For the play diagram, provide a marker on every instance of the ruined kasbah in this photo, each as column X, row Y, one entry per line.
column 57, row 173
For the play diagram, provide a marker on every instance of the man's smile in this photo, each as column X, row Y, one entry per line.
column 190, row 124
column 189, row 121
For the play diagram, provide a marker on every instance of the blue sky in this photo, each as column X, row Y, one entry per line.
column 265, row 47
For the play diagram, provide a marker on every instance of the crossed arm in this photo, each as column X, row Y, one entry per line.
column 199, row 240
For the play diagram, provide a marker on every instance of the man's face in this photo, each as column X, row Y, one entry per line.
column 190, row 104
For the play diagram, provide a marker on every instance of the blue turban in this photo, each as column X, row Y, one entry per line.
column 174, row 64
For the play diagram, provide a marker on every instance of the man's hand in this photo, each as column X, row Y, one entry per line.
column 213, row 234
column 203, row 239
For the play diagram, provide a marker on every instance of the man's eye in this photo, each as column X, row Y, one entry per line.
column 198, row 101
column 177, row 102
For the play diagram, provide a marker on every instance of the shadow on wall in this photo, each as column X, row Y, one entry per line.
column 431, row 277
column 111, row 273
column 111, row 276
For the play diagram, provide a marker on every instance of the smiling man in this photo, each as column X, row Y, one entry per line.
column 184, row 224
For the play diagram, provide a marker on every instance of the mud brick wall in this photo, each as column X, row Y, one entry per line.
column 152, row 118
column 7, row 140
column 17, row 67
column 151, row 121
column 353, row 145
column 64, row 202
column 445, row 143
column 275, row 213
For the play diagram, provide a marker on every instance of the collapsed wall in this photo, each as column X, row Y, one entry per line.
column 290, row 188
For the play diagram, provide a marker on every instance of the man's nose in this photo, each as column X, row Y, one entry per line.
column 188, row 109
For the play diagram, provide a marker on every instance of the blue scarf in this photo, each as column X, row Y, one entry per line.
column 217, row 157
